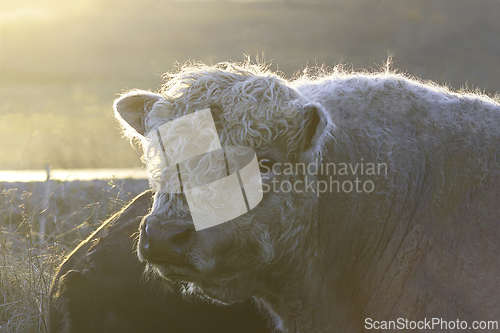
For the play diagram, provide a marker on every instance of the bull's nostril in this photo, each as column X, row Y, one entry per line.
column 147, row 230
column 144, row 243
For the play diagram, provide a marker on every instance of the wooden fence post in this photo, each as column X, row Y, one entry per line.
column 45, row 204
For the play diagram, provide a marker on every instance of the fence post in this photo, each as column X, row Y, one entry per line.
column 45, row 204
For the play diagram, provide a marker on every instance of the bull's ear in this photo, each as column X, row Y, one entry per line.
column 313, row 129
column 131, row 108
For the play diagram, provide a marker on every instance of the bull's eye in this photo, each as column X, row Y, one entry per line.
column 266, row 166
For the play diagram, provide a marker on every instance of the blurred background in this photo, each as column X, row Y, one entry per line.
column 62, row 63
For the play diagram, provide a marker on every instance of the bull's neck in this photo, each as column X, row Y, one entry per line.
column 360, row 255
column 301, row 302
column 314, row 301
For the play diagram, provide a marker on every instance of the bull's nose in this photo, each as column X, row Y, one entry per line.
column 168, row 245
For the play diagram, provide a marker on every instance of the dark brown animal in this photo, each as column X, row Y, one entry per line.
column 99, row 288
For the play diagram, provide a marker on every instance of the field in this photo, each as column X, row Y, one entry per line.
column 61, row 66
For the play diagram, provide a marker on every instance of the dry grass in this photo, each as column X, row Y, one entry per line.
column 27, row 267
column 28, row 261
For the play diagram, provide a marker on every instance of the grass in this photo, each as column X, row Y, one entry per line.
column 28, row 260
column 27, row 267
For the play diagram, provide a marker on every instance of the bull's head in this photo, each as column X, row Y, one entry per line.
column 248, row 255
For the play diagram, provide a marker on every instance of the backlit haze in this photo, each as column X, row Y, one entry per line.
column 62, row 63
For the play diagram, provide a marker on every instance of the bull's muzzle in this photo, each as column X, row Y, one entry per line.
column 165, row 245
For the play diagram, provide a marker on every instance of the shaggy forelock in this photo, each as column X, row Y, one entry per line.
column 257, row 104
column 252, row 105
